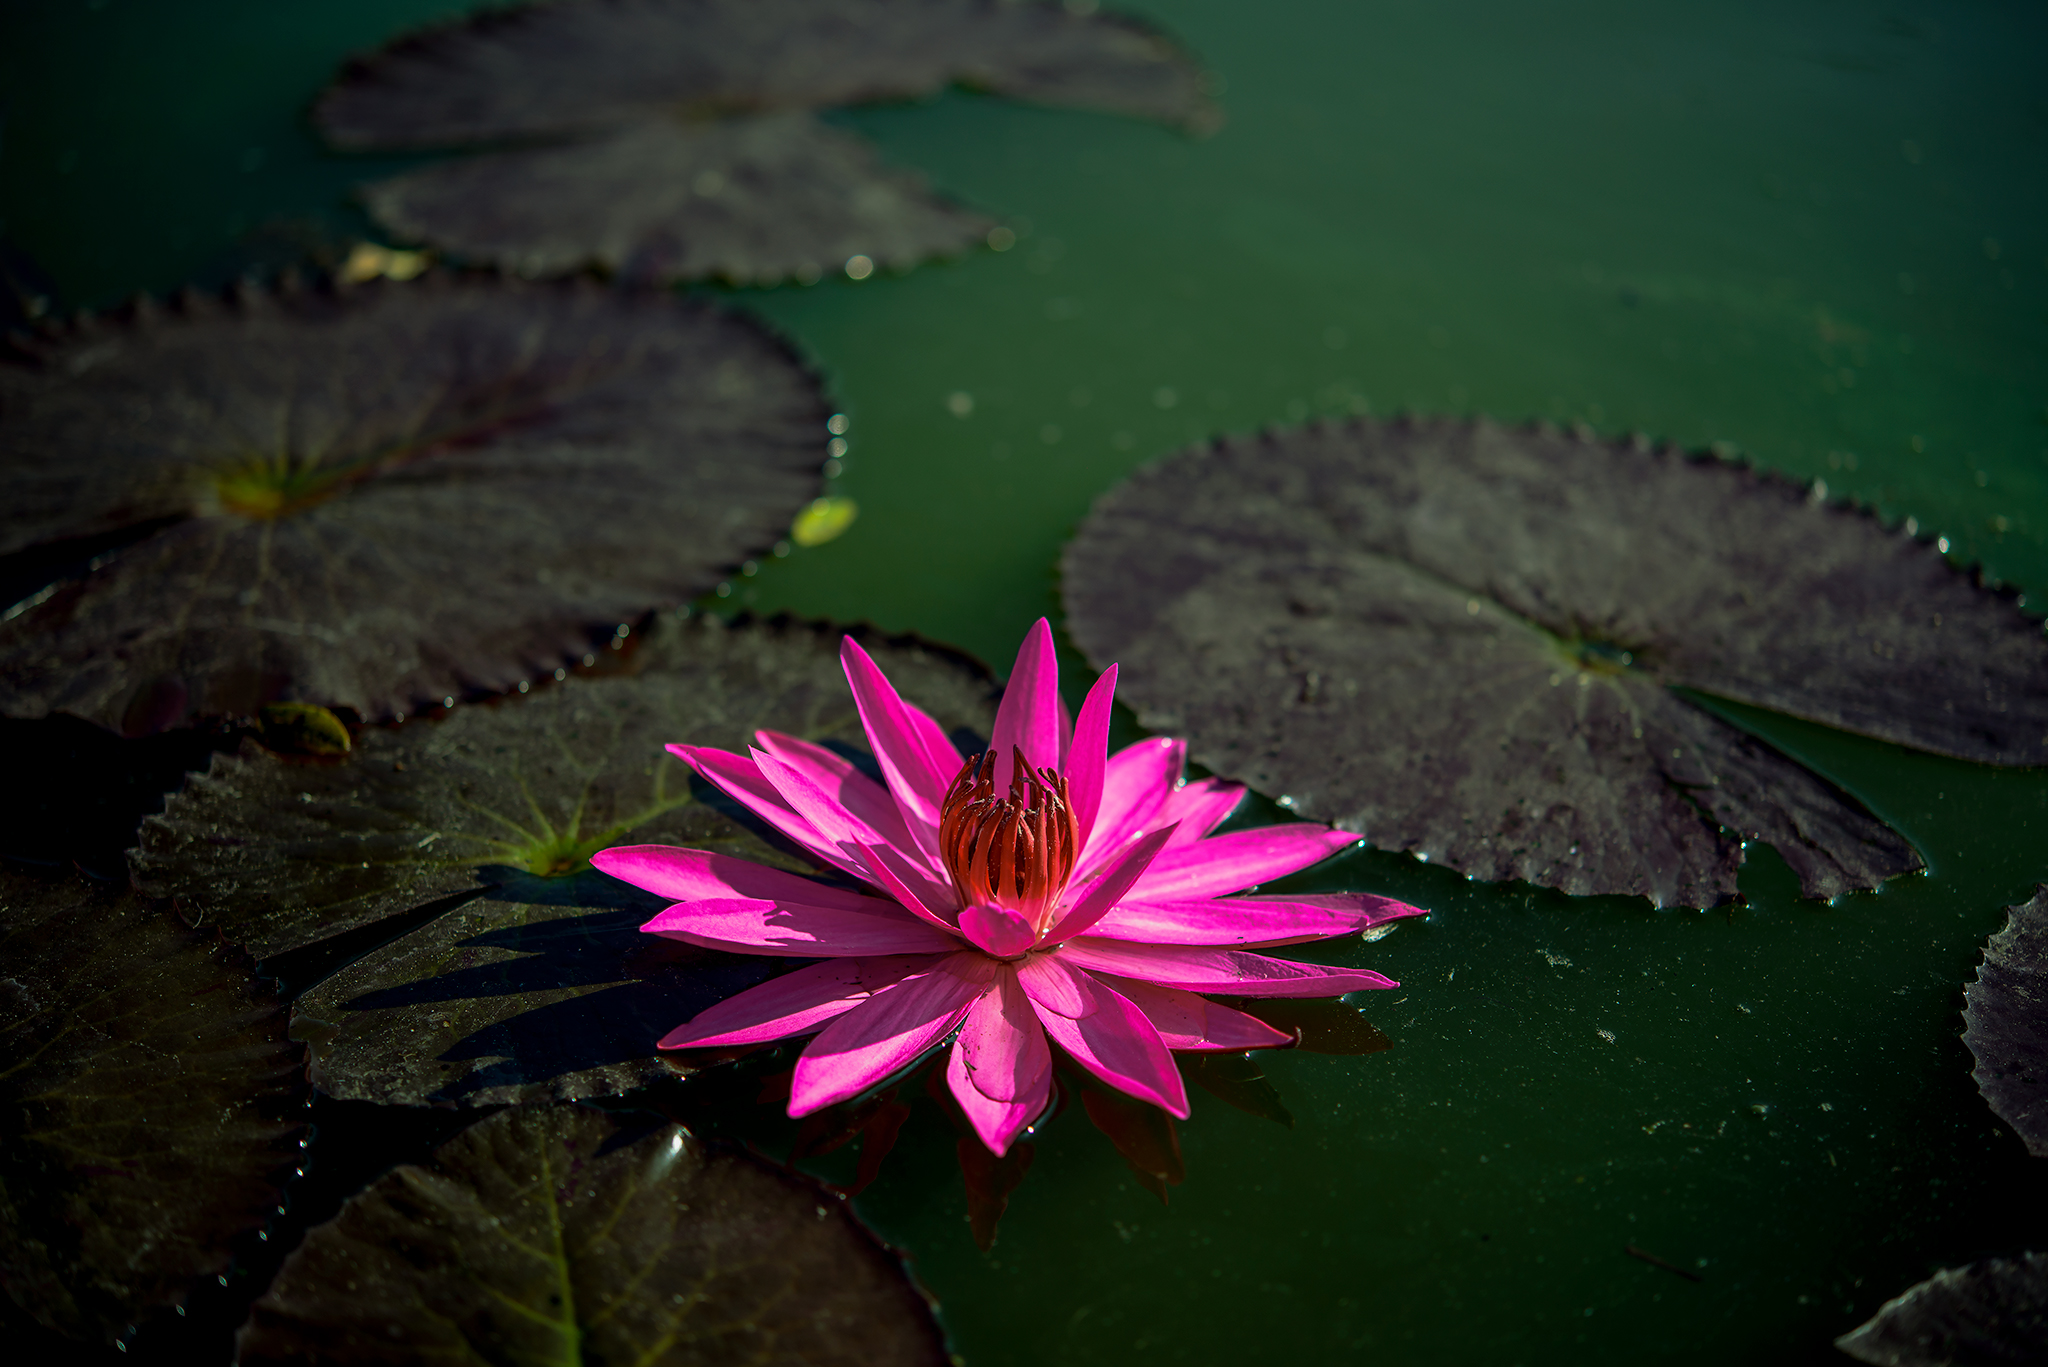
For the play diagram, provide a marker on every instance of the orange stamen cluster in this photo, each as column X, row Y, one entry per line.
column 1014, row 852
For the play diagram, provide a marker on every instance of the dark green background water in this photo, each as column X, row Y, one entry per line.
column 1814, row 231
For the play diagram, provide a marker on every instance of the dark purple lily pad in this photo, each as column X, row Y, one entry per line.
column 1463, row 641
column 2006, row 1020
column 378, row 497
column 1989, row 1314
column 540, row 985
column 750, row 200
column 673, row 141
column 559, row 1233
column 150, row 1107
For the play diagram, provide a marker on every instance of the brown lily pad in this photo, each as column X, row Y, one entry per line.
column 2006, row 1020
column 149, row 1111
column 560, row 1233
column 375, row 498
column 538, row 984
column 1465, row 641
column 1992, row 1313
column 670, row 139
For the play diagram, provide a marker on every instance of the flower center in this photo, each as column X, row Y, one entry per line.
column 1015, row 852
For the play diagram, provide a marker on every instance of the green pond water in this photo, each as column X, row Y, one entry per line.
column 1813, row 231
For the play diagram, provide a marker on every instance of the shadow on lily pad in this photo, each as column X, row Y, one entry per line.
column 508, row 999
column 439, row 872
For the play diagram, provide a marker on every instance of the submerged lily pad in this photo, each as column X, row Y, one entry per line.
column 2006, row 1020
column 148, row 1110
column 379, row 497
column 745, row 199
column 558, row 1233
column 541, row 985
column 1464, row 641
column 676, row 143
column 1988, row 1314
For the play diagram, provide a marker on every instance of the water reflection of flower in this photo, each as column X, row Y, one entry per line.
column 1044, row 888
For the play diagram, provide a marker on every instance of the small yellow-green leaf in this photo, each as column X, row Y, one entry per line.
column 823, row 520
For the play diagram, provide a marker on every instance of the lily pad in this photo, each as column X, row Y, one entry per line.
column 559, row 1233
column 541, row 985
column 1465, row 641
column 673, row 135
column 580, row 67
column 1988, row 1314
column 378, row 497
column 750, row 200
column 151, row 1103
column 2006, row 1020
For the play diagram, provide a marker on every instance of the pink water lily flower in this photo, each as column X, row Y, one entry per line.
column 1044, row 888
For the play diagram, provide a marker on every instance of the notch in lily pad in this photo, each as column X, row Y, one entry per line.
column 1495, row 648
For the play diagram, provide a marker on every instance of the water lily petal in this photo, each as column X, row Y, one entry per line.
column 1200, row 969
column 899, row 735
column 913, row 890
column 855, row 839
column 827, row 815
column 1248, row 922
column 692, row 875
column 940, row 752
column 795, row 1003
column 1186, row 1021
column 1200, row 807
column 1227, row 863
column 1031, row 715
column 751, row 926
column 835, row 776
column 997, row 930
column 887, row 1031
column 1135, row 785
column 1101, row 896
column 1088, row 756
column 740, row 779
column 1104, row 1031
column 1001, row 1067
